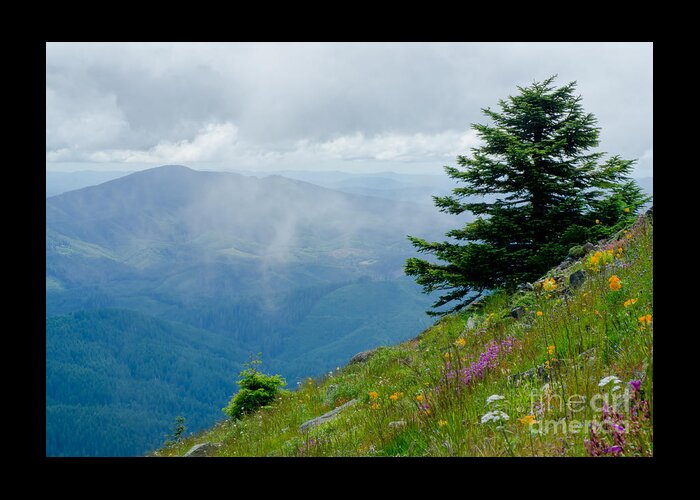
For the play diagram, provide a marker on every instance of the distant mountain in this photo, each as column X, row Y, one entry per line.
column 60, row 182
column 304, row 274
column 415, row 188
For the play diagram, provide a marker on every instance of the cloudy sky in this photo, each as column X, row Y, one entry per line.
column 354, row 107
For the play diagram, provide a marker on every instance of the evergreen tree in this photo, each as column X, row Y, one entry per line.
column 535, row 190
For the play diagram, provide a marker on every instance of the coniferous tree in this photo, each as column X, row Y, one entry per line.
column 535, row 190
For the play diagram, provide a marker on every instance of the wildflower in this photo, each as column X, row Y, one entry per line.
column 619, row 250
column 615, row 283
column 550, row 350
column 373, row 395
column 539, row 313
column 645, row 320
column 528, row 419
column 442, row 423
column 629, row 302
column 375, row 406
column 546, row 364
column 396, row 396
column 615, row 450
column 494, row 397
column 460, row 342
column 495, row 416
column 636, row 384
column 597, row 221
column 420, row 398
column 627, row 210
column 610, row 378
column 549, row 284
column 446, row 356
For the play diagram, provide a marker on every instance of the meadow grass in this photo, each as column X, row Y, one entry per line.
column 452, row 392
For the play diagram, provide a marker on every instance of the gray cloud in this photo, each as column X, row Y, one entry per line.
column 303, row 105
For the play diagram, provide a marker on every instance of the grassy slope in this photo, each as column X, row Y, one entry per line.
column 593, row 334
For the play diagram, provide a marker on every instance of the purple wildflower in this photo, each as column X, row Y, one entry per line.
column 614, row 450
column 636, row 384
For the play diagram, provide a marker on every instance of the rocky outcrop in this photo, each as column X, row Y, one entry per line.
column 326, row 416
column 202, row 450
column 361, row 357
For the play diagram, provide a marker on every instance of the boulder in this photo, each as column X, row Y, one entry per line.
column 326, row 416
column 361, row 357
column 517, row 312
column 576, row 279
column 525, row 287
column 589, row 247
column 202, row 450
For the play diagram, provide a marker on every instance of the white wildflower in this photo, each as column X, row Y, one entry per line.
column 494, row 397
column 610, row 378
column 495, row 416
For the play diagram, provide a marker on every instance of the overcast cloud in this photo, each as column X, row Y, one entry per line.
column 356, row 107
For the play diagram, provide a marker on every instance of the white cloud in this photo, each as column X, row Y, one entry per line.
column 214, row 142
column 394, row 146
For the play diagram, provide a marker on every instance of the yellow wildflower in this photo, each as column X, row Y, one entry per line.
column 446, row 356
column 597, row 221
column 442, row 423
column 615, row 283
column 373, row 395
column 528, row 419
column 549, row 284
column 460, row 342
column 630, row 302
column 539, row 313
column 627, row 209
column 420, row 398
column 396, row 396
column 546, row 364
column 619, row 250
column 645, row 320
column 550, row 350
column 375, row 406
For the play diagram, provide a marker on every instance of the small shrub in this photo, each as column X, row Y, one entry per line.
column 257, row 390
column 576, row 252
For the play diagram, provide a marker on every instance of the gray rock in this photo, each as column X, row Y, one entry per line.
column 650, row 213
column 564, row 264
column 331, row 388
column 361, row 357
column 526, row 287
column 576, row 279
column 517, row 312
column 471, row 323
column 202, row 449
column 588, row 247
column 326, row 416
